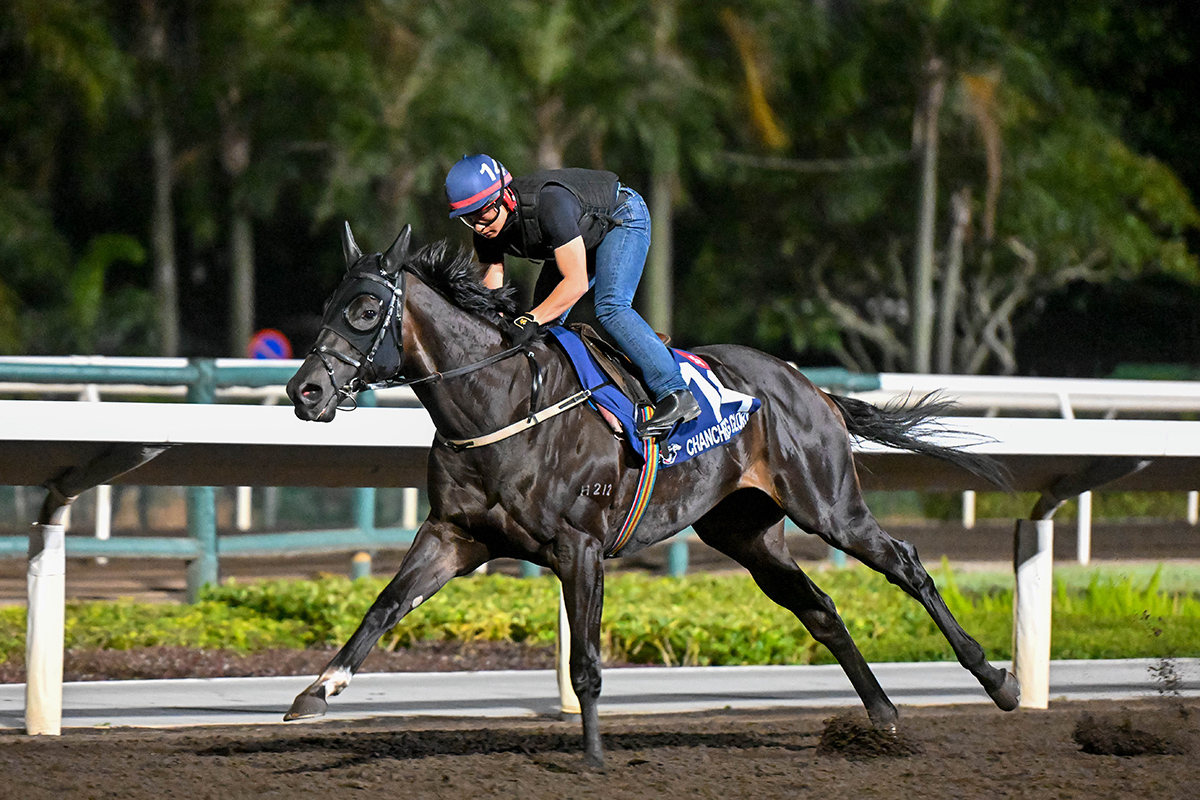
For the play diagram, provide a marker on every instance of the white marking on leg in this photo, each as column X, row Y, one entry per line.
column 418, row 600
column 336, row 682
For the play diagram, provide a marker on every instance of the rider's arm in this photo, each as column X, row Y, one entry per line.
column 490, row 254
column 571, row 259
column 493, row 275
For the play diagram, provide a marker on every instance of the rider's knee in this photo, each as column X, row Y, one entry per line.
column 608, row 310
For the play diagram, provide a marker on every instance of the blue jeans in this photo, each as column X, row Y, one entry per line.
column 620, row 259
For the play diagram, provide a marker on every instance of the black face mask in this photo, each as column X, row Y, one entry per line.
column 357, row 309
column 365, row 310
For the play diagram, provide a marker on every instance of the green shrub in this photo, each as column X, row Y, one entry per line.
column 702, row 619
column 123, row 625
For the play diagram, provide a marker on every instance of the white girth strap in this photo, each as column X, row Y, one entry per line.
column 517, row 427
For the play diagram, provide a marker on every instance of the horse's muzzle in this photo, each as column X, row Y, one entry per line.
column 313, row 398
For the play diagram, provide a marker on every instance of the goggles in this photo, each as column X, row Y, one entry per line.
column 484, row 216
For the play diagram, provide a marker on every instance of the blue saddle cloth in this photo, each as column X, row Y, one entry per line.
column 723, row 412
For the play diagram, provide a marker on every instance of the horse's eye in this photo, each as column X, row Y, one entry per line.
column 363, row 312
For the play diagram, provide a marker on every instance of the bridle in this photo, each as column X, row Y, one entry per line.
column 392, row 321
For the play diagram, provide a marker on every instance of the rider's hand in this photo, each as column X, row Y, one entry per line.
column 521, row 330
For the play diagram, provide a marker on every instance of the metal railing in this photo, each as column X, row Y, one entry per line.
column 198, row 381
column 246, row 380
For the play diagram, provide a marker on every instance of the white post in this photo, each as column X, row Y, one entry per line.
column 1083, row 529
column 568, row 701
column 104, row 512
column 1193, row 507
column 408, row 509
column 245, row 496
column 103, row 517
column 968, row 509
column 1031, row 610
column 244, row 508
column 47, row 576
column 91, row 393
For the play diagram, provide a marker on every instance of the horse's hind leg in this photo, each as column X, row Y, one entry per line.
column 439, row 552
column 759, row 546
column 856, row 533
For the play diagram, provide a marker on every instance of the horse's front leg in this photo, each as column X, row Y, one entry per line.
column 579, row 563
column 440, row 552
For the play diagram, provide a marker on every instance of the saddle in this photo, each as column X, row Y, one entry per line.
column 611, row 383
column 617, row 366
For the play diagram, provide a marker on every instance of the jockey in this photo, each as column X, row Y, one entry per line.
column 597, row 232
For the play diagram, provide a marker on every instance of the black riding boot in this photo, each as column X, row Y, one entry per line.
column 678, row 407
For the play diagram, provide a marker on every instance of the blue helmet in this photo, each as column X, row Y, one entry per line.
column 474, row 182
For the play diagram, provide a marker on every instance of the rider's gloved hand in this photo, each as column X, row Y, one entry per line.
column 522, row 329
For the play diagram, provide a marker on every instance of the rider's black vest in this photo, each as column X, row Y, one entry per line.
column 596, row 191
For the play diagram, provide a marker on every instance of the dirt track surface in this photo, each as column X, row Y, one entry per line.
column 955, row 752
column 961, row 752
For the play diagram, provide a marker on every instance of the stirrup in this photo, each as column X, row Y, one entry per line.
column 655, row 427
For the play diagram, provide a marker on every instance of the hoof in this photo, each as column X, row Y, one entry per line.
column 306, row 706
column 1007, row 696
column 884, row 720
column 594, row 760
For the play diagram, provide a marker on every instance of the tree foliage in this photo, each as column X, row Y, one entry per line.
column 781, row 143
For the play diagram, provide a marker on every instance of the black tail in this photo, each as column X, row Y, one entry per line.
column 897, row 426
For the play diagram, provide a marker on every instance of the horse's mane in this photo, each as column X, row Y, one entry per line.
column 456, row 276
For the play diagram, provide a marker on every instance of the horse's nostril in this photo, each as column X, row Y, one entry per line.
column 310, row 391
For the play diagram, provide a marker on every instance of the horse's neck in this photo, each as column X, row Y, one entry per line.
column 441, row 337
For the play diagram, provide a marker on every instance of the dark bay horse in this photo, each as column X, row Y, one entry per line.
column 425, row 319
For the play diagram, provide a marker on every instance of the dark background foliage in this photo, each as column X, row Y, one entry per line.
column 174, row 173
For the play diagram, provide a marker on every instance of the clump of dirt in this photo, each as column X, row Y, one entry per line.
column 1103, row 736
column 855, row 738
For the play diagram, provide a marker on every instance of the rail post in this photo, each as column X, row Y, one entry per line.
column 364, row 509
column 408, row 513
column 1083, row 529
column 364, row 520
column 201, row 500
column 45, row 625
column 677, row 556
column 1034, row 565
column 360, row 565
column 568, row 701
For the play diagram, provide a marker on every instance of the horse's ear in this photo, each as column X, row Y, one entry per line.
column 349, row 246
column 397, row 254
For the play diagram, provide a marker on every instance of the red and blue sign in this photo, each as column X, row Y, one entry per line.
column 269, row 343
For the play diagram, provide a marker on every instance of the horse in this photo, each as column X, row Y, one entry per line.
column 425, row 319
